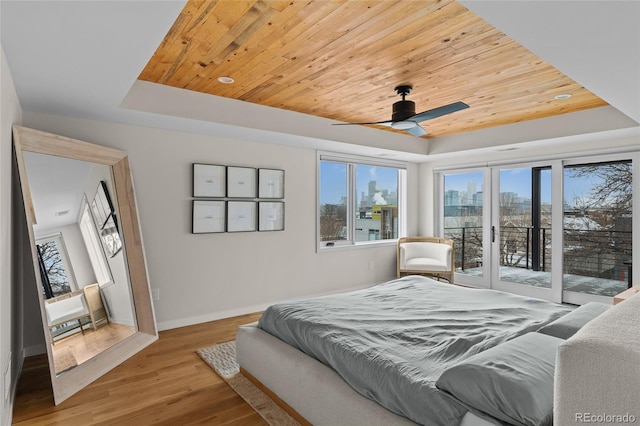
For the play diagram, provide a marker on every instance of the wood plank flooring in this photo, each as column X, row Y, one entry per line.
column 84, row 346
column 165, row 384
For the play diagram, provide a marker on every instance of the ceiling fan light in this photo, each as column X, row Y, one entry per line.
column 404, row 124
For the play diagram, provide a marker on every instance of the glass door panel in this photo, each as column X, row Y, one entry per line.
column 524, row 221
column 464, row 223
column 597, row 228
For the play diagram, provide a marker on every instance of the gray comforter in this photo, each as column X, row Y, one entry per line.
column 392, row 341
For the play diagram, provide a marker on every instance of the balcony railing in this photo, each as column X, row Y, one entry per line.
column 591, row 253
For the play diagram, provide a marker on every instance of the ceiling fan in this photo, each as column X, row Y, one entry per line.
column 404, row 114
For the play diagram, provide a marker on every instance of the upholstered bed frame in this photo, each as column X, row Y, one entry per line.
column 316, row 392
column 597, row 374
column 598, row 369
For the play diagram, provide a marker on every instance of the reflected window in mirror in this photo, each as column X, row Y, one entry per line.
column 55, row 267
column 88, row 228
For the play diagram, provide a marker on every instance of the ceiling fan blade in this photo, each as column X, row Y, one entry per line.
column 381, row 123
column 417, row 130
column 438, row 112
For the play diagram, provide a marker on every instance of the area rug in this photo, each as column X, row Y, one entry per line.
column 63, row 360
column 222, row 359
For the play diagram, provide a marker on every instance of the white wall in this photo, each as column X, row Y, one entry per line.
column 10, row 296
column 210, row 276
column 117, row 296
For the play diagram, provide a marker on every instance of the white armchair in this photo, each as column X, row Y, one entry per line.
column 425, row 256
column 67, row 308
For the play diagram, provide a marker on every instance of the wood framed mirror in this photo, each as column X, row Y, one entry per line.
column 104, row 295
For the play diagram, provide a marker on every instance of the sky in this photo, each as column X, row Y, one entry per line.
column 519, row 181
column 333, row 180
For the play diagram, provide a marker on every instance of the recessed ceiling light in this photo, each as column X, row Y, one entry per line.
column 226, row 80
column 563, row 96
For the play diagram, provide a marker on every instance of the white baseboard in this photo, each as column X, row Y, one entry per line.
column 214, row 316
column 127, row 322
column 8, row 409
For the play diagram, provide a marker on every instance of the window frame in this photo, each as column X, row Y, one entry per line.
column 93, row 245
column 58, row 238
column 352, row 161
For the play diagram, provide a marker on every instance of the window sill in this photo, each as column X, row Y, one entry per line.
column 357, row 246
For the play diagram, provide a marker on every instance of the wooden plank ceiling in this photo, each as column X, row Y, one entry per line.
column 342, row 59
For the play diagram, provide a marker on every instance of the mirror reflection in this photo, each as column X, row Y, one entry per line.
column 85, row 282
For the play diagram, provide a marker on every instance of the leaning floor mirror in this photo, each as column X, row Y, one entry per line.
column 87, row 255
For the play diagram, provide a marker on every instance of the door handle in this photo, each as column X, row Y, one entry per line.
column 493, row 234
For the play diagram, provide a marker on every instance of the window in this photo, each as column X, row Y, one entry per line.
column 597, row 222
column 359, row 200
column 94, row 249
column 55, row 267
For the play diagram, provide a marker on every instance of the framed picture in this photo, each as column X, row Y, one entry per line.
column 209, row 180
column 110, row 236
column 208, row 216
column 241, row 182
column 270, row 216
column 241, row 216
column 270, row 183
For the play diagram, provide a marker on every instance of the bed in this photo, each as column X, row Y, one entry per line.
column 402, row 352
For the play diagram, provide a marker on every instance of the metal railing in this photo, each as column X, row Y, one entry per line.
column 592, row 253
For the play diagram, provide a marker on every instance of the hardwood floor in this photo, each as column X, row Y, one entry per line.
column 84, row 346
column 165, row 384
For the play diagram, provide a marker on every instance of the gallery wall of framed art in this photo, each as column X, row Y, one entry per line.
column 236, row 199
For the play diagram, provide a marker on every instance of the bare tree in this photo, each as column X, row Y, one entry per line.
column 333, row 219
column 54, row 268
column 515, row 223
column 602, row 237
column 613, row 188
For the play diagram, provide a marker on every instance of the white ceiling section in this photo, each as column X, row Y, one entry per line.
column 595, row 43
column 57, row 185
column 82, row 59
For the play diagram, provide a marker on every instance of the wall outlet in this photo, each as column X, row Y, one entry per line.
column 155, row 294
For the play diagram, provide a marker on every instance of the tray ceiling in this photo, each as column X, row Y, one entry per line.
column 342, row 59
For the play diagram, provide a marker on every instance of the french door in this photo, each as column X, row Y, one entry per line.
column 465, row 220
column 523, row 231
column 556, row 230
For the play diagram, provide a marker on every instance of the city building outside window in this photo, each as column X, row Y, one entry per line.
column 359, row 200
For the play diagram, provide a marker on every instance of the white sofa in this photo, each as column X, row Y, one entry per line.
column 597, row 375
